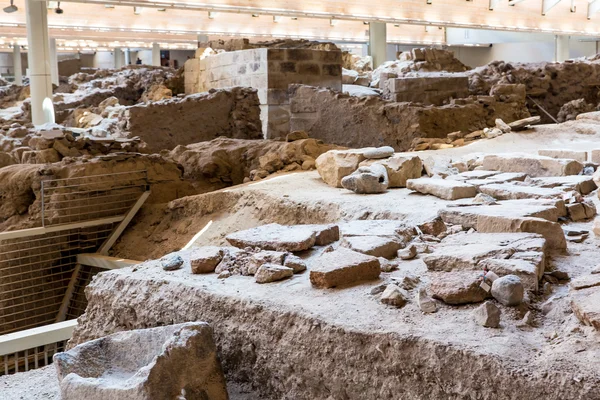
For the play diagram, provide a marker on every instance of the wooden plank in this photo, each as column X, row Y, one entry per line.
column 119, row 230
column 64, row 307
column 57, row 228
column 105, row 262
column 31, row 338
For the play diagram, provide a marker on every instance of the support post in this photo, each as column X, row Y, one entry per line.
column 38, row 55
column 53, row 62
column 117, row 55
column 155, row 55
column 127, row 56
column 17, row 65
column 378, row 43
column 561, row 48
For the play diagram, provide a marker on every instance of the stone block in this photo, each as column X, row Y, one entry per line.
column 580, row 156
column 458, row 288
column 508, row 191
column 299, row 54
column 157, row 363
column 400, row 168
column 595, row 156
column 442, row 188
column 532, row 165
column 343, row 267
column 334, row 165
column 275, row 237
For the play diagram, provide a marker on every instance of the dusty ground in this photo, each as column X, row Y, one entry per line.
column 41, row 384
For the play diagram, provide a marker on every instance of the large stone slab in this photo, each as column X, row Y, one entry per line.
column 551, row 231
column 586, row 306
column 275, row 237
column 384, row 227
column 400, row 168
column 343, row 267
column 334, row 165
column 458, row 288
column 376, row 246
column 508, row 191
column 155, row 363
column 583, row 184
column 580, row 156
column 532, row 165
column 466, row 257
column 499, row 178
column 586, row 281
column 442, row 188
column 476, row 174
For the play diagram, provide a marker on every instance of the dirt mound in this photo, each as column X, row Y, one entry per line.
column 569, row 111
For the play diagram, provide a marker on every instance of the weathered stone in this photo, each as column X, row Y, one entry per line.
column 393, row 296
column 457, row 288
column 487, row 315
column 334, row 165
column 466, row 257
column 498, row 178
column 508, row 191
column 171, row 262
column 484, row 199
column 581, row 211
column 205, row 259
column 275, row 237
column 532, row 165
column 503, row 126
column 400, row 168
column 508, row 290
column 156, row 363
column 271, row 273
column 295, row 263
column 367, row 180
column 426, row 303
column 477, row 174
column 586, row 281
column 408, row 253
column 379, row 152
column 524, row 123
column 435, row 227
column 264, row 257
column 343, row 267
column 583, row 184
column 586, row 306
column 392, row 228
column 580, row 156
column 529, row 272
column 296, row 135
column 376, row 246
column 442, row 188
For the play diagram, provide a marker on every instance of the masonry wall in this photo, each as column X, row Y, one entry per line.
column 344, row 120
column 270, row 71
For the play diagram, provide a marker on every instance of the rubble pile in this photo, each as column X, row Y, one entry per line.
column 245, row 44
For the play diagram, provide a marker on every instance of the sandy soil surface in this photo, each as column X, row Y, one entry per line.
column 41, row 384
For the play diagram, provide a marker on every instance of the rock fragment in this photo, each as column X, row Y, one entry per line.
column 426, row 303
column 334, row 165
column 171, row 262
column 376, row 246
column 343, row 267
column 508, row 290
column 367, row 180
column 205, row 259
column 458, row 288
column 379, row 152
column 487, row 315
column 295, row 263
column 271, row 273
column 442, row 188
column 393, row 296
column 400, row 168
column 408, row 253
column 275, row 237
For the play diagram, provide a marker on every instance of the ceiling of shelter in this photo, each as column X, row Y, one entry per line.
column 92, row 24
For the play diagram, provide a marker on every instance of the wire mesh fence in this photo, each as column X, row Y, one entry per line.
column 91, row 197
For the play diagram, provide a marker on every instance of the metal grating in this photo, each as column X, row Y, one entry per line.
column 87, row 198
column 35, row 272
column 29, row 359
column 78, row 301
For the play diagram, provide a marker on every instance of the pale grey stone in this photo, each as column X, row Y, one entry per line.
column 487, row 315
column 367, row 180
column 508, row 290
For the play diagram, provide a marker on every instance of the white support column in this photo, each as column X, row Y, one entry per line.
column 378, row 43
column 53, row 62
column 561, row 48
column 127, row 56
column 38, row 55
column 117, row 55
column 155, row 55
column 202, row 39
column 17, row 64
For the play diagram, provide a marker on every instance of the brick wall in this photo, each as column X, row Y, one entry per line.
column 270, row 71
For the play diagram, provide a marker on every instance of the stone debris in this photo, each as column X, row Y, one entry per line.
column 581, row 211
column 488, row 315
column 261, row 258
column 582, row 184
column 383, row 227
column 334, row 165
column 586, row 306
column 393, row 296
column 204, row 260
column 171, row 262
column 426, row 303
column 532, row 165
column 586, row 281
column 503, row 126
column 508, row 290
column 379, row 152
column 408, row 253
column 367, row 180
column 400, row 168
column 275, row 237
column 376, row 246
column 458, row 288
column 271, row 273
column 442, row 188
column 498, row 179
column 509, row 191
column 343, row 267
column 155, row 363
column 325, row 234
column 580, row 156
column 295, row 263
column 484, row 199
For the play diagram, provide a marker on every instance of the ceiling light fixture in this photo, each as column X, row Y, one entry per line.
column 255, row 15
column 11, row 9
column 59, row 10
column 109, row 6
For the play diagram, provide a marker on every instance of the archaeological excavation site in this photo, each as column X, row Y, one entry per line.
column 275, row 200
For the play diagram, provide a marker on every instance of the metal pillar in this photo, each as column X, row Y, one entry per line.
column 378, row 43
column 17, row 65
column 53, row 62
column 38, row 56
column 155, row 55
column 561, row 48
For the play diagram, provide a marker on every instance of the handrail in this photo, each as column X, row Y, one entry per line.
column 36, row 337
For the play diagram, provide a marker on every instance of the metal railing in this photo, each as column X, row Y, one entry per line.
column 33, row 348
column 86, row 198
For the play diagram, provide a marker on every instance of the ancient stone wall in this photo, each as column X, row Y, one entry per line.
column 233, row 113
column 370, row 121
column 270, row 71
column 435, row 90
